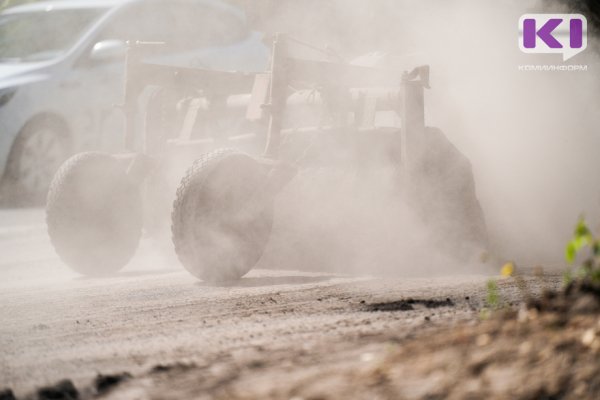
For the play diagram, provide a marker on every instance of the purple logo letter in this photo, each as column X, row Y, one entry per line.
column 545, row 33
column 564, row 34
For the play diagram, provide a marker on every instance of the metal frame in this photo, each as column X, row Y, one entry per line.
column 343, row 88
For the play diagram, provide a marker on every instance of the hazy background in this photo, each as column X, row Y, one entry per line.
column 532, row 137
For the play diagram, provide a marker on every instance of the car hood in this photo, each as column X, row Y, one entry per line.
column 249, row 56
column 12, row 74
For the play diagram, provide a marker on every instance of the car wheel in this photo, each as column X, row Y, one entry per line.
column 36, row 155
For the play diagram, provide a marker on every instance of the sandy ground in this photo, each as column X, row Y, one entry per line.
column 274, row 334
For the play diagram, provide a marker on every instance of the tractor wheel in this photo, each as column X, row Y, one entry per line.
column 94, row 214
column 219, row 230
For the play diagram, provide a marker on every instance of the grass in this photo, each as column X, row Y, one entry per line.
column 583, row 249
column 584, row 246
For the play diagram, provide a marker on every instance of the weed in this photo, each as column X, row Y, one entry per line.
column 493, row 296
column 583, row 239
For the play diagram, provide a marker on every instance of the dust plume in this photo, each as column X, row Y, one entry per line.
column 532, row 137
column 528, row 138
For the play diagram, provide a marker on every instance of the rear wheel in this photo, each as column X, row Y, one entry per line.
column 220, row 225
column 36, row 155
column 94, row 214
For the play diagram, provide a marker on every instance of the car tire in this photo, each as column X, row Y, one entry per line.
column 94, row 214
column 214, row 238
column 36, row 154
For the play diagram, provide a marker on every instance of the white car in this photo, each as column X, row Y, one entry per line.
column 62, row 73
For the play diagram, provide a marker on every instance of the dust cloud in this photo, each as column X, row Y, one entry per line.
column 532, row 137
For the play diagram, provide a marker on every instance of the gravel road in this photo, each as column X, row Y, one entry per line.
column 56, row 325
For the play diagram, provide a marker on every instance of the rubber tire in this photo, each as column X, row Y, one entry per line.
column 15, row 193
column 211, row 240
column 94, row 214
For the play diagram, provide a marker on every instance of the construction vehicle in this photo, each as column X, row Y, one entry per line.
column 223, row 212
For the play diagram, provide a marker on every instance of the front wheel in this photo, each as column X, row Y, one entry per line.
column 94, row 214
column 221, row 224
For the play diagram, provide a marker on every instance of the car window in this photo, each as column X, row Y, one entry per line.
column 183, row 26
column 43, row 35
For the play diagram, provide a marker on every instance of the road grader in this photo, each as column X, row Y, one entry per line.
column 232, row 133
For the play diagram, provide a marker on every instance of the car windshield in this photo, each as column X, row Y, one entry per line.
column 43, row 35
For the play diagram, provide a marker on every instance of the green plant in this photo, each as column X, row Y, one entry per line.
column 493, row 301
column 583, row 239
column 493, row 296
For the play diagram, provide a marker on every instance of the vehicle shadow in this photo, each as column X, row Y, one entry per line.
column 130, row 274
column 269, row 281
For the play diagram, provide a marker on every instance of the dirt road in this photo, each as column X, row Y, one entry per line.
column 154, row 316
